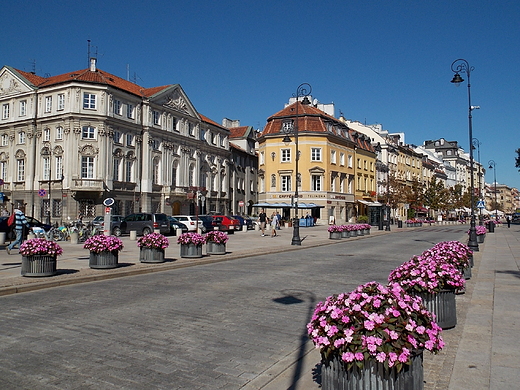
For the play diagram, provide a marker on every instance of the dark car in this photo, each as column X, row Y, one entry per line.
column 207, row 223
column 146, row 223
column 245, row 220
column 176, row 224
column 10, row 234
column 115, row 223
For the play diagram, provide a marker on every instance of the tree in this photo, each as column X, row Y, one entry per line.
column 435, row 195
column 517, row 159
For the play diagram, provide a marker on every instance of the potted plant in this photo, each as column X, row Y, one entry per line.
column 434, row 279
column 39, row 257
column 334, row 232
column 373, row 338
column 152, row 248
column 104, row 251
column 345, row 232
column 455, row 252
column 481, row 233
column 353, row 230
column 191, row 244
column 216, row 242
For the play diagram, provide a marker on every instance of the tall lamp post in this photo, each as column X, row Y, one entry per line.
column 303, row 90
column 462, row 66
column 476, row 144
column 492, row 165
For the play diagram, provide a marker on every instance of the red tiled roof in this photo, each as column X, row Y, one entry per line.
column 212, row 122
column 96, row 77
column 238, row 132
column 232, row 144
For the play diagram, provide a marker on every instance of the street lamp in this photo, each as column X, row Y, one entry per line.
column 303, row 90
column 492, row 165
column 462, row 66
column 476, row 144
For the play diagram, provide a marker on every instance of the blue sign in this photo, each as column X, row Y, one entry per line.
column 1, row 197
column 480, row 204
column 42, row 192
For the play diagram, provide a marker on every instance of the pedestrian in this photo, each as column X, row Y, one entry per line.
column 19, row 223
column 274, row 222
column 278, row 220
column 508, row 219
column 262, row 218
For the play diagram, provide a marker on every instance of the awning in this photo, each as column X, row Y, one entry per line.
column 301, row 205
column 372, row 204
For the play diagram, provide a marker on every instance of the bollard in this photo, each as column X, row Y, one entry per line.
column 157, row 231
column 179, row 232
column 74, row 237
column 30, row 236
column 2, row 238
column 133, row 235
column 244, row 227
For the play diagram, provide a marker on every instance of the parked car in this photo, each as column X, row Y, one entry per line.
column 115, row 223
column 245, row 220
column 207, row 223
column 226, row 224
column 11, row 235
column 189, row 221
column 176, row 224
column 145, row 223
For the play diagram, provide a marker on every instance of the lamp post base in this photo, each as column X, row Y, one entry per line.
column 472, row 242
column 296, row 232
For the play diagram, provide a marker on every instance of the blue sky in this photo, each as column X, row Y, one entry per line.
column 378, row 61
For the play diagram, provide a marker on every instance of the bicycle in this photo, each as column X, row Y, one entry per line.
column 53, row 234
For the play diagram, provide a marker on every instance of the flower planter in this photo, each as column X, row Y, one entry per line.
column 151, row 255
column 38, row 265
column 353, row 233
column 373, row 376
column 103, row 260
column 367, row 232
column 191, row 250
column 480, row 238
column 466, row 272
column 335, row 235
column 214, row 248
column 443, row 305
column 345, row 234
column 360, row 233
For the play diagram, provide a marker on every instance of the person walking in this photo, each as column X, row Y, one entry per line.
column 262, row 218
column 19, row 223
column 274, row 222
column 508, row 219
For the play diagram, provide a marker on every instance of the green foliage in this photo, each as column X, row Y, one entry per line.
column 363, row 219
column 517, row 159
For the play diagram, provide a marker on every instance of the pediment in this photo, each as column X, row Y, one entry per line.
column 12, row 84
column 174, row 98
column 317, row 169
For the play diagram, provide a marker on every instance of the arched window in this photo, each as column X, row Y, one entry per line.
column 273, row 180
column 156, row 170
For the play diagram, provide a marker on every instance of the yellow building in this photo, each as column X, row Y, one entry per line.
column 336, row 165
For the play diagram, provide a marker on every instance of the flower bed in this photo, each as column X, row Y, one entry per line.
column 154, row 241
column 217, row 237
column 191, row 238
column 374, row 322
column 40, row 246
column 335, row 228
column 101, row 243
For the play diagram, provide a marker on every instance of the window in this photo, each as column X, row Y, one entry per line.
column 129, row 140
column 5, row 140
column 20, row 170
column 273, row 180
column 48, row 103
column 222, row 141
column 156, row 171
column 128, row 171
column 191, row 130
column 342, row 159
column 286, row 155
column 175, row 124
column 117, row 107
column 174, row 176
column 87, row 167
column 333, row 157
column 333, row 183
column 156, row 117
column 61, row 101
column 213, row 138
column 315, row 154
column 21, row 137
column 59, row 167
column 130, row 111
column 5, row 111
column 46, row 163
column 286, row 183
column 59, row 132
column 117, row 137
column 23, row 108
column 88, row 132
column 342, row 184
column 359, row 163
column 350, row 161
column 47, row 134
column 156, row 144
column 89, row 101
column 3, row 170
column 262, row 158
column 316, row 182
column 117, row 164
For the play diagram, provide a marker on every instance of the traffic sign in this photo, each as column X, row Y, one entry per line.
column 1, row 182
column 480, row 204
column 42, row 192
column 241, row 203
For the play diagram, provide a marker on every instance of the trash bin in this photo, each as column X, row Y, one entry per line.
column 399, row 224
column 491, row 226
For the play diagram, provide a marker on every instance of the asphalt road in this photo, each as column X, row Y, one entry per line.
column 215, row 326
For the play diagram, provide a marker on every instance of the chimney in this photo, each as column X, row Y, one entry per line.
column 93, row 64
